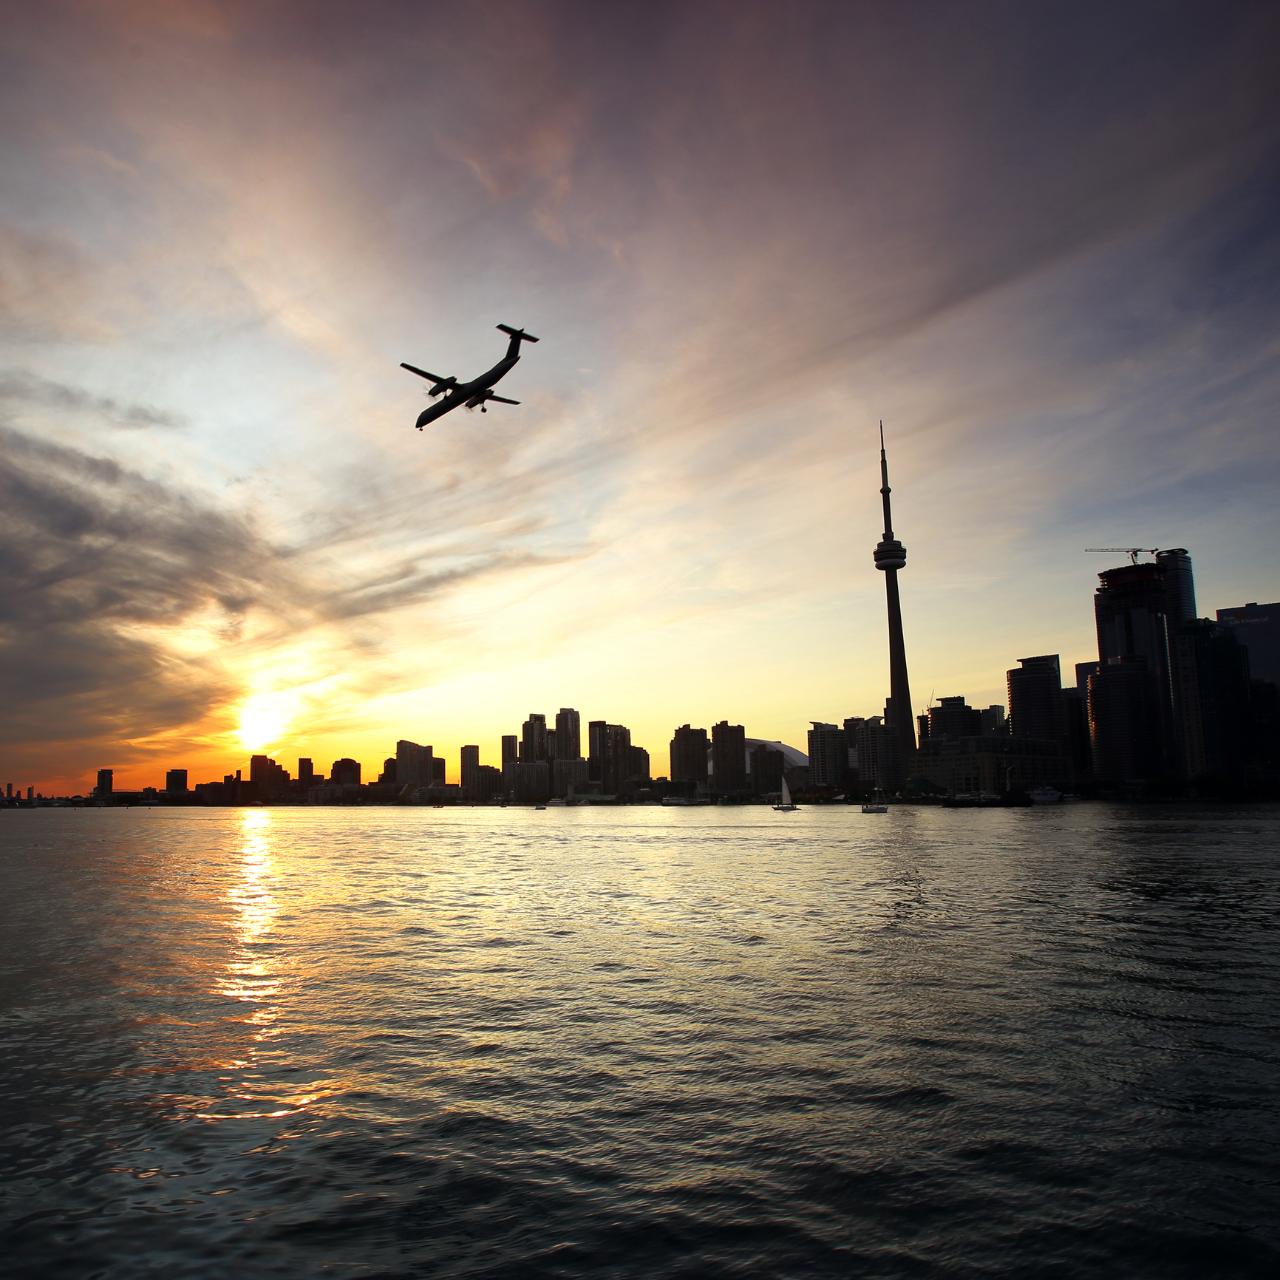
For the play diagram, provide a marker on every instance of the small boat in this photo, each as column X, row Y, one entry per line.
column 875, row 806
column 1045, row 795
column 785, row 806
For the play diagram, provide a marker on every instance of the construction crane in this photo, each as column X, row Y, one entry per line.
column 1132, row 552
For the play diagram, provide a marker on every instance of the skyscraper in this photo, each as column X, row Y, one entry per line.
column 469, row 775
column 890, row 556
column 533, row 738
column 103, row 789
column 1211, row 695
column 1257, row 627
column 413, row 764
column 1179, row 585
column 767, row 765
column 1035, row 698
column 953, row 718
column 689, row 758
column 1134, row 608
column 828, row 755
column 728, row 758
column 568, row 734
column 610, row 758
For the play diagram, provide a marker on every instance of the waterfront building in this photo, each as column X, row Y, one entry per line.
column 469, row 775
column 1257, row 627
column 728, row 759
column 828, row 755
column 345, row 773
column 767, row 764
column 890, row 556
column 993, row 720
column 175, row 782
column 531, row 781
column 306, row 772
column 1125, row 722
column 269, row 780
column 1075, row 714
column 873, row 752
column 414, row 764
column 1132, row 610
column 638, row 775
column 1179, row 585
column 488, row 784
column 533, row 739
column 992, row 765
column 569, row 778
column 1035, row 699
column 510, row 751
column 953, row 718
column 609, row 762
column 568, row 733
column 1211, row 668
column 104, row 785
column 689, row 749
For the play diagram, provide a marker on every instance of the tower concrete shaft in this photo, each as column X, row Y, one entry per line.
column 890, row 556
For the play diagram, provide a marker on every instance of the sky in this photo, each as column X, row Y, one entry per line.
column 1041, row 242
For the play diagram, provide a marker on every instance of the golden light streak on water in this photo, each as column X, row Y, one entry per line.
column 251, row 976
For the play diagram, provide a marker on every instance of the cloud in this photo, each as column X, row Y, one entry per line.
column 48, row 289
column 101, row 563
column 19, row 386
column 112, row 577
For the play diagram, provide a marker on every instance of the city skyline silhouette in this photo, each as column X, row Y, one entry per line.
column 1048, row 272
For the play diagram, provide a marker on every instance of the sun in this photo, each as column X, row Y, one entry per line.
column 264, row 717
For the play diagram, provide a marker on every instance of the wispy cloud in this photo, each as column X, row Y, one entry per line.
column 20, row 387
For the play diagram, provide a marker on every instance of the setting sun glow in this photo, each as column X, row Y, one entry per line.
column 264, row 717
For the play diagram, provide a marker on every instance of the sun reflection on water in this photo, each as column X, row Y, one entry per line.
column 252, row 977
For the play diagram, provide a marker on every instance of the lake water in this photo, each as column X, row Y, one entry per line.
column 640, row 1042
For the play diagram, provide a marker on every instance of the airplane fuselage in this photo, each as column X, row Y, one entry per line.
column 474, row 394
column 465, row 391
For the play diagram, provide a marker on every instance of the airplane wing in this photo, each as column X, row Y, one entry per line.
column 501, row 399
column 422, row 373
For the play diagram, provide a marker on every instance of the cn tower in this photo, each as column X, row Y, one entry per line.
column 891, row 556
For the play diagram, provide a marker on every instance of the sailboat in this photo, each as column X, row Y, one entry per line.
column 786, row 806
column 876, row 805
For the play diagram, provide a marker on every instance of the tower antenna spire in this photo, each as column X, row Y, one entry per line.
column 884, row 488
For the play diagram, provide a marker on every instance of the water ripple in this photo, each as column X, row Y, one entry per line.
column 638, row 1043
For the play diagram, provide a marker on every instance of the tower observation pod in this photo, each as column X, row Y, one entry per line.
column 890, row 556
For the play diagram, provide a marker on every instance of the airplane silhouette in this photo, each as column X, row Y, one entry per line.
column 477, row 391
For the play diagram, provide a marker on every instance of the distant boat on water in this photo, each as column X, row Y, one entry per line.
column 876, row 805
column 785, row 805
column 1045, row 795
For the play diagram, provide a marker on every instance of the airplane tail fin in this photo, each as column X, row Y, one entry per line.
column 517, row 337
